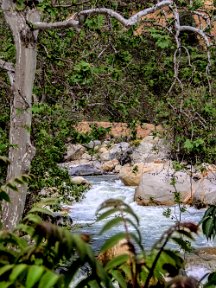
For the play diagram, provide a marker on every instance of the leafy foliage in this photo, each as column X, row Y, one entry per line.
column 51, row 129
column 209, row 222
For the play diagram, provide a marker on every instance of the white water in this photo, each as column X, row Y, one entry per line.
column 152, row 221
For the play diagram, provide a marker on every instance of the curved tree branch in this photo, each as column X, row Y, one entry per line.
column 133, row 19
column 74, row 20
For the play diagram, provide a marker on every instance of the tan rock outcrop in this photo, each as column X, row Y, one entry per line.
column 131, row 175
column 118, row 129
column 109, row 165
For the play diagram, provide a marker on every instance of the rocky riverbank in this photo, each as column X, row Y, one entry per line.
column 144, row 163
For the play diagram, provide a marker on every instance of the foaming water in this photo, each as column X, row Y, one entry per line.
column 152, row 221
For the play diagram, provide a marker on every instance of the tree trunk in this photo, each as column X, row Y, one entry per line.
column 21, row 151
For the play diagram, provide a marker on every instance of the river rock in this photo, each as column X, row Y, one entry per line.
column 205, row 192
column 90, row 168
column 102, row 150
column 155, row 187
column 74, row 152
column 86, row 156
column 150, row 149
column 118, row 168
column 131, row 175
column 110, row 165
column 202, row 260
column 118, row 150
column 105, row 156
column 92, row 144
column 79, row 180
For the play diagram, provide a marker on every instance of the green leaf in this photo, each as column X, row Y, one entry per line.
column 34, row 274
column 12, row 186
column 113, row 241
column 33, row 218
column 117, row 261
column 5, row 269
column 182, row 243
column 26, row 229
column 174, row 256
column 117, row 206
column 41, row 210
column 110, row 224
column 94, row 284
column 80, row 246
column 48, row 280
column 5, row 284
column 208, row 227
column 185, row 233
column 18, row 269
column 106, row 214
column 119, row 278
column 188, row 145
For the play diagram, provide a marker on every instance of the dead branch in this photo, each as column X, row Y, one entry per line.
column 71, row 22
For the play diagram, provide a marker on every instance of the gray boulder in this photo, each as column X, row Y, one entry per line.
column 150, row 149
column 74, row 152
column 85, row 169
column 155, row 188
column 205, row 192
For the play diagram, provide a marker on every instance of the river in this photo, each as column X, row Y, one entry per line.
column 152, row 221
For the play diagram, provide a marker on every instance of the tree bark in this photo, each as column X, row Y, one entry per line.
column 21, row 151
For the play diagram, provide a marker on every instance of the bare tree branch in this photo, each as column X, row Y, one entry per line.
column 74, row 20
column 133, row 19
column 62, row 24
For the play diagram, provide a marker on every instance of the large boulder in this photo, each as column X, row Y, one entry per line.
column 84, row 170
column 109, row 166
column 79, row 180
column 150, row 149
column 74, row 152
column 205, row 192
column 131, row 175
column 120, row 151
column 156, row 187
